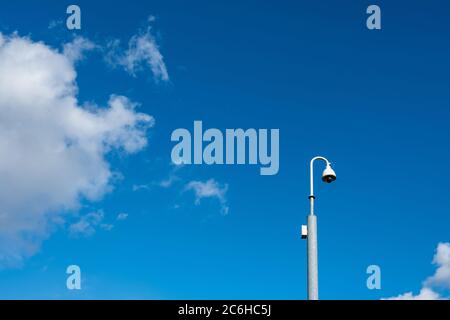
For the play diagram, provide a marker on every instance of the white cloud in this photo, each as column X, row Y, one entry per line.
column 74, row 50
column 142, row 51
column 52, row 149
column 122, row 216
column 209, row 189
column 425, row 294
column 440, row 279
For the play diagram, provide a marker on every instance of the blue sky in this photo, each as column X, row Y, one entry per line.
column 375, row 103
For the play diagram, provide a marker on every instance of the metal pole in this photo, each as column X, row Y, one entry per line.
column 309, row 232
column 313, row 273
column 313, row 281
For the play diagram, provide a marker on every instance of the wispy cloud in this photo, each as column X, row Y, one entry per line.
column 143, row 51
column 172, row 177
column 440, row 279
column 202, row 189
column 88, row 224
column 54, row 24
column 138, row 187
column 74, row 51
column 209, row 189
column 168, row 182
column 122, row 216
column 107, row 226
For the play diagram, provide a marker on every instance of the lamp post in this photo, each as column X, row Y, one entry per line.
column 309, row 232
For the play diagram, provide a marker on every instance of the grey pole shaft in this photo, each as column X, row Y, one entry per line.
column 313, row 282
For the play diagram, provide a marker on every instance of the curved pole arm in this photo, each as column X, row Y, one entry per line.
column 311, row 173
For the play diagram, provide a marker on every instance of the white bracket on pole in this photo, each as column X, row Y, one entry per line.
column 304, row 231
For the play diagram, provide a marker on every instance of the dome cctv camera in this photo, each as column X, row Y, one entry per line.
column 328, row 174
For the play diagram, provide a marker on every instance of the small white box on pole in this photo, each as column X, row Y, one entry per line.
column 304, row 231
